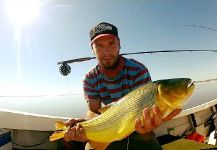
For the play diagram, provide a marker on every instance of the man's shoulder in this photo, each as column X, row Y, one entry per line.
column 129, row 62
column 92, row 72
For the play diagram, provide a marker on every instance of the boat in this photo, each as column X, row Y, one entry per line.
column 34, row 95
column 32, row 130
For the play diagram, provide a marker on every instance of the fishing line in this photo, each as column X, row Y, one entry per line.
column 68, row 86
column 149, row 62
column 128, row 142
column 208, row 80
column 197, row 26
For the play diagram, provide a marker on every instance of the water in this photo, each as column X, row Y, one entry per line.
column 62, row 106
column 76, row 106
column 204, row 92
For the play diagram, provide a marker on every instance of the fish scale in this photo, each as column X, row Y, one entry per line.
column 122, row 114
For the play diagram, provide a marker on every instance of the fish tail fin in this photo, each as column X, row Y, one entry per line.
column 60, row 125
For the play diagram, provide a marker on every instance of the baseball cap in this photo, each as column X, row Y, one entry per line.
column 102, row 29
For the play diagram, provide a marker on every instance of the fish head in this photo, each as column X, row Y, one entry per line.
column 174, row 93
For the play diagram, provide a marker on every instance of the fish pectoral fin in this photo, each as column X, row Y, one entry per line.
column 103, row 109
column 167, row 112
column 96, row 145
column 57, row 135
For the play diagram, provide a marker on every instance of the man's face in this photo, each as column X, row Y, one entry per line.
column 106, row 49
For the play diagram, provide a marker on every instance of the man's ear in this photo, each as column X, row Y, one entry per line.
column 92, row 49
column 93, row 52
column 119, row 43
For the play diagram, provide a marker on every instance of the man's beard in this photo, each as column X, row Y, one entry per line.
column 115, row 64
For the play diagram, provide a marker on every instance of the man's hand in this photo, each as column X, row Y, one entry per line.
column 75, row 132
column 153, row 122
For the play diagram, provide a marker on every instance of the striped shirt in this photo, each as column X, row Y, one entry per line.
column 97, row 86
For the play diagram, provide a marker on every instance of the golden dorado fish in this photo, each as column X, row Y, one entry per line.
column 118, row 120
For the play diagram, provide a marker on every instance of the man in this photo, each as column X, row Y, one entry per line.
column 111, row 79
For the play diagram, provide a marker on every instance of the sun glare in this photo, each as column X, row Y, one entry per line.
column 22, row 12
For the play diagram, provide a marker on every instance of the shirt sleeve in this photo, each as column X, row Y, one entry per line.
column 89, row 89
column 142, row 77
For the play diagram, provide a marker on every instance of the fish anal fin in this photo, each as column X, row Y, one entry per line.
column 92, row 145
column 57, row 135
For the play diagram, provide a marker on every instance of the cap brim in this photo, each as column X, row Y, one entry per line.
column 102, row 35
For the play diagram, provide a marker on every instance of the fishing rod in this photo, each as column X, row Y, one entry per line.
column 65, row 69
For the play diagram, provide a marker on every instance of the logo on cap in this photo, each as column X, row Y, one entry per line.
column 103, row 28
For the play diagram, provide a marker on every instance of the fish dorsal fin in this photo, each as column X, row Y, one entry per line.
column 105, row 108
column 96, row 145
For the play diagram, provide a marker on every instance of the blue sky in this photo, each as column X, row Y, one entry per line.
column 29, row 54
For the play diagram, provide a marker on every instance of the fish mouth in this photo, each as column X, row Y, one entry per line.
column 191, row 85
column 190, row 88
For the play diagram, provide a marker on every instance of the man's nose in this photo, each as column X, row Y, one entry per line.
column 106, row 49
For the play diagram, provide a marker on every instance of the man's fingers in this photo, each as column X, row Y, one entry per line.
column 138, row 125
column 156, row 111
column 146, row 126
column 157, row 116
column 77, row 133
column 66, row 137
column 72, row 133
column 151, row 121
column 146, row 114
column 147, row 118
column 71, row 122
column 82, row 134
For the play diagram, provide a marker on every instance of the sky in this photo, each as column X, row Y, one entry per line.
column 57, row 30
